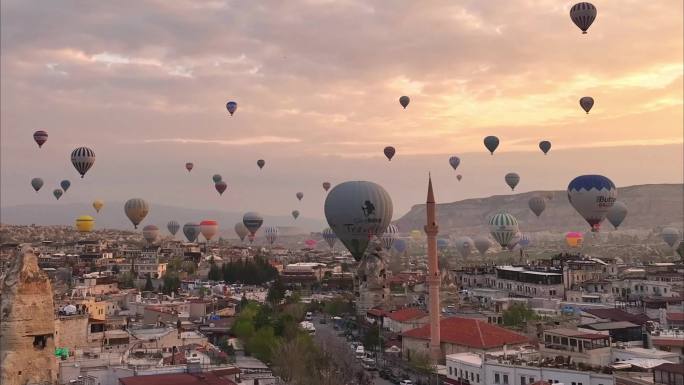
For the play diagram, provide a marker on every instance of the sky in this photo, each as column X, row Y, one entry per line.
column 144, row 84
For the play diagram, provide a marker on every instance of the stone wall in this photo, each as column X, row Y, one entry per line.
column 71, row 332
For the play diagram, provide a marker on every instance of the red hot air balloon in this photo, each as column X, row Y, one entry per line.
column 311, row 243
column 221, row 187
column 189, row 166
column 40, row 137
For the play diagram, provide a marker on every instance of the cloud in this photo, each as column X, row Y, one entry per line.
column 234, row 142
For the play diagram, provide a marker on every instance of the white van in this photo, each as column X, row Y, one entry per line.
column 360, row 352
column 309, row 316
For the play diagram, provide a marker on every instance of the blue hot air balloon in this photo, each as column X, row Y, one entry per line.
column 231, row 107
column 65, row 185
column 592, row 196
column 491, row 142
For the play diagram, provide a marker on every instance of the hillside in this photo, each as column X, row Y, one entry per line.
column 650, row 207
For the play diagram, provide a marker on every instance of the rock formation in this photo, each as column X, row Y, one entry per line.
column 27, row 324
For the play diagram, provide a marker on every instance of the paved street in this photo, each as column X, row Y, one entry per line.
column 327, row 338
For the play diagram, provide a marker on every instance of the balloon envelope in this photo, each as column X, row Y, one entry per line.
column 670, row 235
column 261, row 163
column 173, row 227
column 389, row 152
column 65, row 184
column 574, row 239
column 300, row 195
column 40, row 137
column 57, row 193
column 271, row 234
column 592, row 196
column 503, row 227
column 459, row 177
column 586, row 103
column 356, row 211
column 482, row 244
column 326, row 186
column 97, row 205
column 491, row 143
column 85, row 223
column 252, row 221
column 189, row 166
column 231, row 107
column 216, row 178
column 617, row 214
column 537, row 205
column 150, row 233
column 404, row 101
column 221, row 187
column 454, row 161
column 465, row 246
column 545, row 146
column 512, row 179
column 311, row 243
column 241, row 230
column 191, row 230
column 83, row 159
column 295, row 214
column 36, row 183
column 329, row 237
column 136, row 210
column 400, row 245
column 583, row 15
column 209, row 228
column 388, row 237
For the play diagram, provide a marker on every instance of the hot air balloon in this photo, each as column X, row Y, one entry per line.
column 251, row 238
column 326, row 186
column 482, row 244
column 85, row 223
column 574, row 239
column 400, row 245
column 512, row 179
column 514, row 242
column 173, row 227
column 221, row 187
column 191, row 230
column 36, row 183
column 491, row 142
column 404, row 101
column 583, row 15
column 329, row 237
column 65, row 184
column 454, row 161
column 670, row 235
column 524, row 241
column 97, row 205
column 389, row 152
column 57, row 193
column 150, row 233
column 241, row 230
column 40, row 137
column 586, row 103
column 261, row 163
column 356, row 211
column 231, row 107
column 459, row 177
column 252, row 221
column 136, row 210
column 83, row 159
column 216, row 178
column 271, row 234
column 388, row 237
column 209, row 228
column 295, row 214
column 617, row 214
column 189, row 166
column 310, row 243
column 465, row 246
column 299, row 195
column 592, row 196
column 442, row 244
column 545, row 146
column 503, row 227
column 537, row 205
column 416, row 235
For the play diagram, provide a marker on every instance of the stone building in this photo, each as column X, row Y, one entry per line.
column 27, row 324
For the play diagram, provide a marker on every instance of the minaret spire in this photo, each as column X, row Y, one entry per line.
column 431, row 229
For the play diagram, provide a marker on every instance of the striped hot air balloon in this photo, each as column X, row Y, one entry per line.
column 389, row 236
column 191, row 230
column 583, row 15
column 173, row 227
column 150, row 233
column 271, row 234
column 40, row 137
column 136, row 210
column 503, row 227
column 83, row 159
column 329, row 237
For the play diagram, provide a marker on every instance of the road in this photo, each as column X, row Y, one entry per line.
column 327, row 338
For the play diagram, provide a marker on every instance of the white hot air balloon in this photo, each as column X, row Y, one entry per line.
column 271, row 234
column 388, row 237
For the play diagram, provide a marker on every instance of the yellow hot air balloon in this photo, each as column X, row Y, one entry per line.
column 416, row 235
column 85, row 223
column 97, row 205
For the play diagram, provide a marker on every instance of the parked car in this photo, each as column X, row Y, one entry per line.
column 405, row 382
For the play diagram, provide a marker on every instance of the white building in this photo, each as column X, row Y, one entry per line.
column 472, row 367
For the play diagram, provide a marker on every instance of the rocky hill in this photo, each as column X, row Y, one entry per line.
column 651, row 207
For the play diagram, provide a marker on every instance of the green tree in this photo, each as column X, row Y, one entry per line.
column 215, row 273
column 276, row 292
column 243, row 329
column 261, row 344
column 171, row 282
column 148, row 283
column 371, row 339
column 518, row 314
column 116, row 269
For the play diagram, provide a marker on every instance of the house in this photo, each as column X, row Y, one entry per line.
column 622, row 331
column 460, row 335
column 581, row 346
column 589, row 316
column 675, row 320
column 668, row 374
column 405, row 319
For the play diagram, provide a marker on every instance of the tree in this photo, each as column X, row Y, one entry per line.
column 276, row 292
column 148, row 283
column 371, row 339
column 215, row 273
column 261, row 344
column 116, row 269
column 518, row 314
column 171, row 282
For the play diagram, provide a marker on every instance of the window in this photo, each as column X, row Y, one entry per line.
column 39, row 342
column 505, row 378
column 472, row 376
column 478, row 379
column 497, row 378
column 450, row 372
column 523, row 380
